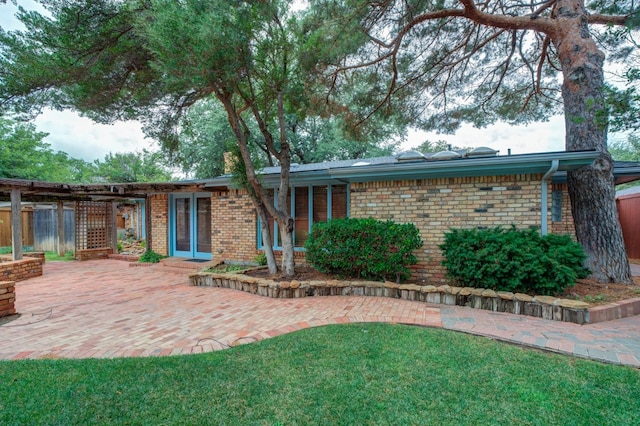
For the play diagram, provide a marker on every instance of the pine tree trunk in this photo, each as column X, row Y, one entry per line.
column 591, row 188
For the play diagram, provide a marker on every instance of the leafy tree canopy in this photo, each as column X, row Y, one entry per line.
column 446, row 62
column 127, row 167
column 436, row 146
column 24, row 155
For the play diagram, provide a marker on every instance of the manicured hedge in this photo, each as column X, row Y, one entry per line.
column 363, row 248
column 513, row 260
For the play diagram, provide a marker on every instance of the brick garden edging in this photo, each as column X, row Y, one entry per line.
column 7, row 298
column 97, row 253
column 545, row 307
column 19, row 270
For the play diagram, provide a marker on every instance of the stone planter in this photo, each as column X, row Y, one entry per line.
column 515, row 303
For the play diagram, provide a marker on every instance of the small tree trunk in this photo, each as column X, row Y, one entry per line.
column 591, row 188
column 283, row 217
column 286, row 235
column 266, row 238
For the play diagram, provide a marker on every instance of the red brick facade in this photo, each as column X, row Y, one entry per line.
column 434, row 205
column 160, row 224
column 20, row 270
column 437, row 205
column 233, row 226
column 564, row 226
column 7, row 298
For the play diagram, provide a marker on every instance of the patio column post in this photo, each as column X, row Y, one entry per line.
column 147, row 219
column 60, row 211
column 16, row 224
column 114, row 227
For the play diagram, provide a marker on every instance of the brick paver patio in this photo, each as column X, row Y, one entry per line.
column 103, row 308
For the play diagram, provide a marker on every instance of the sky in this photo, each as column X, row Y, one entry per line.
column 81, row 138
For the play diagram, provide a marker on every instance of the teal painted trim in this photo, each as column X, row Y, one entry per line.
column 466, row 167
column 276, row 237
column 463, row 167
column 143, row 228
column 193, row 212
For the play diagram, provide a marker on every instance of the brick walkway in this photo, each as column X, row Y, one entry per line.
column 104, row 308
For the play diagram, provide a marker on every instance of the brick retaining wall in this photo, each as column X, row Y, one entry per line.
column 520, row 304
column 19, row 270
column 7, row 298
column 97, row 253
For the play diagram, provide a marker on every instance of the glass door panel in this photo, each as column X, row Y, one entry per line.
column 183, row 224
column 191, row 225
column 203, row 225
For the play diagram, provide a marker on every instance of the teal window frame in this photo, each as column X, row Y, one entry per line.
column 276, row 234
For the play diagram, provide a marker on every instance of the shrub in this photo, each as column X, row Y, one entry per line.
column 151, row 256
column 261, row 259
column 513, row 260
column 363, row 248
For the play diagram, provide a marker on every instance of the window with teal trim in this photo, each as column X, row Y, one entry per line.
column 308, row 204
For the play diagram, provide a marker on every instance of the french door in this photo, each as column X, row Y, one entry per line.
column 191, row 225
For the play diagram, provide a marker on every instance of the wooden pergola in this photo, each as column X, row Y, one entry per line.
column 17, row 190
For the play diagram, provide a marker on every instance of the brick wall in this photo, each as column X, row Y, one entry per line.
column 436, row 205
column 565, row 226
column 233, row 226
column 97, row 253
column 160, row 224
column 19, row 270
column 7, row 298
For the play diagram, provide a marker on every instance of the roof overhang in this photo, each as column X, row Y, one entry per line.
column 462, row 167
column 626, row 174
column 467, row 167
column 38, row 191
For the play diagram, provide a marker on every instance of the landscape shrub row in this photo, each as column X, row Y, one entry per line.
column 513, row 260
column 363, row 248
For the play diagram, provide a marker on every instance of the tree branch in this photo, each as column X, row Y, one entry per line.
column 508, row 22
column 608, row 19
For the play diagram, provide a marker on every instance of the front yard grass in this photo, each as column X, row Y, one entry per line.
column 342, row 374
column 50, row 256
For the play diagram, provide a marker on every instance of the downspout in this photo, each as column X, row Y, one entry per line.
column 544, row 213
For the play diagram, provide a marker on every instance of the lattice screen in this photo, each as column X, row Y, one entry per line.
column 94, row 224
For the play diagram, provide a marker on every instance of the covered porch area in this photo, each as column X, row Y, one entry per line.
column 95, row 208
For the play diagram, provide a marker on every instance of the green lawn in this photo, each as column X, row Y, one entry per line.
column 53, row 256
column 343, row 374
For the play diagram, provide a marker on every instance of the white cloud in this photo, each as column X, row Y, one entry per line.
column 78, row 136
column 535, row 137
column 82, row 138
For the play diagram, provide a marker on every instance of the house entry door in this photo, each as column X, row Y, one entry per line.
column 191, row 225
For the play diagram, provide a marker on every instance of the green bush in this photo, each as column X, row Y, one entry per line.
column 363, row 248
column 151, row 256
column 513, row 260
column 261, row 259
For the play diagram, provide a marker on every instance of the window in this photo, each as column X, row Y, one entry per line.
column 309, row 204
column 556, row 205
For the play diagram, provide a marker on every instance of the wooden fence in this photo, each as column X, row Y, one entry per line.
column 5, row 228
column 45, row 227
column 39, row 229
